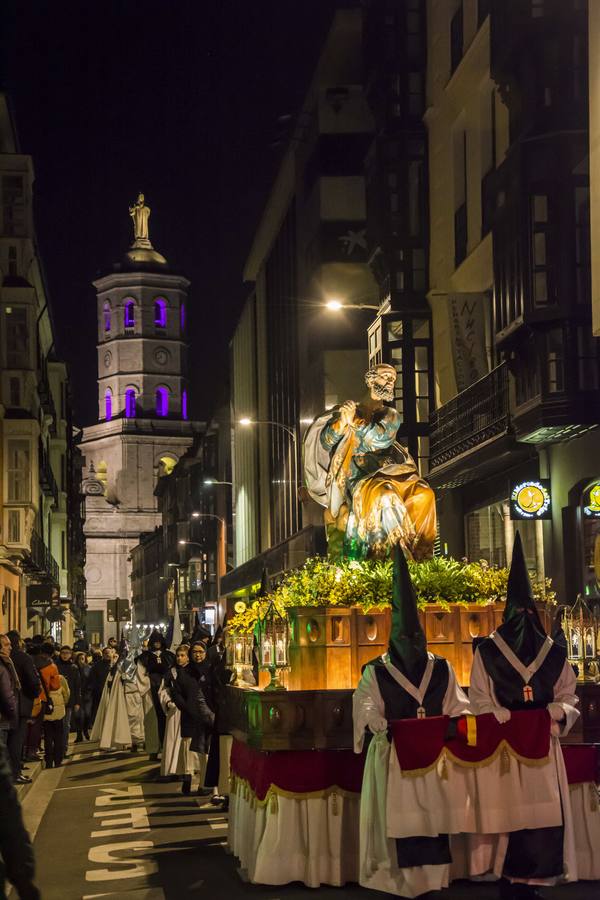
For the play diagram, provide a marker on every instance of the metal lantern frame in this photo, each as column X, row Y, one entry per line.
column 273, row 632
column 239, row 648
column 580, row 627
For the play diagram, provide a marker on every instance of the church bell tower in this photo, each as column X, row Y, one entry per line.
column 143, row 426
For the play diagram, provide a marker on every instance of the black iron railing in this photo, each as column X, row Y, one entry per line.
column 473, row 417
column 41, row 558
column 47, row 480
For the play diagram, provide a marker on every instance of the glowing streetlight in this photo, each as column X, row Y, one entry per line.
column 334, row 304
column 245, row 421
column 210, row 481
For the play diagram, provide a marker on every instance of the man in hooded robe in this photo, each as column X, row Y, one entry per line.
column 407, row 682
column 520, row 667
column 153, row 664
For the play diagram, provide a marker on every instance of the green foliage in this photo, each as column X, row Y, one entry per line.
column 368, row 584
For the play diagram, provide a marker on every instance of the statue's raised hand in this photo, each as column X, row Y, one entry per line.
column 347, row 412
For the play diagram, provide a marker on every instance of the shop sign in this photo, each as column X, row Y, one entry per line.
column 591, row 501
column 531, row 500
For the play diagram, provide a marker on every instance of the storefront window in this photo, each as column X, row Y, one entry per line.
column 489, row 530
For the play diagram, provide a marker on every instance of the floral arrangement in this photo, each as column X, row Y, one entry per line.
column 368, row 584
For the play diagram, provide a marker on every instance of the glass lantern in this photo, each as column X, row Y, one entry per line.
column 273, row 642
column 580, row 630
column 239, row 648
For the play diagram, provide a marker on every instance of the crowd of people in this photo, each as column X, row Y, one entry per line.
column 125, row 696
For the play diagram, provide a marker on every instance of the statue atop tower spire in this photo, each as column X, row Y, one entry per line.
column 140, row 213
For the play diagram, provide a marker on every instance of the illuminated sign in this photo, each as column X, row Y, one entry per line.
column 591, row 500
column 531, row 500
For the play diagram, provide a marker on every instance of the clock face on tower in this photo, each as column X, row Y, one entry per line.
column 107, row 359
column 161, row 356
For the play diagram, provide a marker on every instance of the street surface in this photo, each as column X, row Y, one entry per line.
column 104, row 828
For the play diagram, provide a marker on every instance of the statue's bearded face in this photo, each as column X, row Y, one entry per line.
column 140, row 199
column 381, row 381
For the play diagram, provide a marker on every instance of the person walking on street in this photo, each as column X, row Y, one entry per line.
column 97, row 678
column 83, row 717
column 30, row 689
column 190, row 691
column 70, row 673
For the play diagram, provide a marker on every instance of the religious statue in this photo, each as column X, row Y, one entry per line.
column 140, row 213
column 369, row 485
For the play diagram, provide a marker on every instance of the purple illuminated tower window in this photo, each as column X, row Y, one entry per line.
column 182, row 316
column 108, row 405
column 107, row 317
column 160, row 312
column 129, row 317
column 184, row 410
column 130, row 409
column 162, row 401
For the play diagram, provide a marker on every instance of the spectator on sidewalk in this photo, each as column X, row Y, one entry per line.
column 54, row 715
column 9, row 687
column 30, row 689
column 50, row 679
column 70, row 673
column 16, row 853
column 83, row 718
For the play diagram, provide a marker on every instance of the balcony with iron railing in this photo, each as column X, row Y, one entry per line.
column 47, row 480
column 471, row 419
column 40, row 560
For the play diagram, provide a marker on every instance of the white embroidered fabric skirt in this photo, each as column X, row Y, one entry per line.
column 314, row 841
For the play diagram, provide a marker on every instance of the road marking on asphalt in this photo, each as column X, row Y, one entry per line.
column 129, row 867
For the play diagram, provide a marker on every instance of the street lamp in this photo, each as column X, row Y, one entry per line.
column 210, row 481
column 337, row 305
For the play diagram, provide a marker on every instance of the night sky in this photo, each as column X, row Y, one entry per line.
column 177, row 99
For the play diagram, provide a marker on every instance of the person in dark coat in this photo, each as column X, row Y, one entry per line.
column 99, row 672
column 221, row 676
column 83, row 718
column 30, row 689
column 9, row 687
column 157, row 662
column 70, row 673
column 16, row 853
column 192, row 694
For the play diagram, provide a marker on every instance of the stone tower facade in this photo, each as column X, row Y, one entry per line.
column 143, row 426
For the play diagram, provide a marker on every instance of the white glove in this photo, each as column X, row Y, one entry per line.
column 502, row 714
column 557, row 713
column 377, row 723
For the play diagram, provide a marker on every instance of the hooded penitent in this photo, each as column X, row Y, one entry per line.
column 522, row 628
column 408, row 645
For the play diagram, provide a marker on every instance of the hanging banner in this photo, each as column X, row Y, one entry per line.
column 467, row 332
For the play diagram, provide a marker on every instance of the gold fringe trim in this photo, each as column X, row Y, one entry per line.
column 242, row 786
column 471, row 730
column 503, row 746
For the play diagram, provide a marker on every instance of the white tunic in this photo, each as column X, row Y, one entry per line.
column 551, row 779
column 381, row 819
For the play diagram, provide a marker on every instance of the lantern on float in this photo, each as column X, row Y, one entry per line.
column 239, row 647
column 273, row 642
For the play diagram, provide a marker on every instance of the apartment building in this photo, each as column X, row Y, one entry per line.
column 41, row 547
column 516, row 363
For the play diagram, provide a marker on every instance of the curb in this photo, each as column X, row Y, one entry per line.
column 23, row 789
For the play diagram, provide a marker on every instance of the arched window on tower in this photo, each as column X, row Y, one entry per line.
column 130, row 403
column 108, row 404
column 106, row 316
column 162, row 401
column 129, row 314
column 160, row 312
column 182, row 316
column 184, row 408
